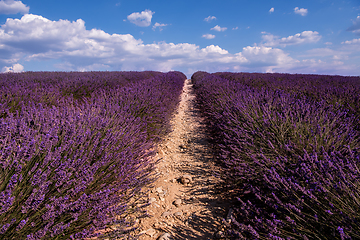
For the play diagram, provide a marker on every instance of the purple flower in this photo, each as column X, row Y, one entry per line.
column 329, row 212
column 290, row 220
column 4, row 228
column 22, row 224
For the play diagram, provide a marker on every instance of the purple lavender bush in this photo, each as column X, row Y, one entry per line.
column 292, row 160
column 69, row 166
column 29, row 86
column 335, row 90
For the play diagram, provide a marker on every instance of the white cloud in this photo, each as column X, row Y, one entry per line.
column 271, row 10
column 214, row 49
column 327, row 52
column 208, row 36
column 159, row 25
column 15, row 68
column 75, row 48
column 13, row 7
column 36, row 38
column 210, row 18
column 354, row 41
column 299, row 38
column 267, row 56
column 218, row 28
column 331, row 67
column 301, row 11
column 235, row 28
column 142, row 19
column 351, row 46
column 33, row 33
column 355, row 28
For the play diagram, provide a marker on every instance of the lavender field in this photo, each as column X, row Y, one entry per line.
column 290, row 147
column 75, row 147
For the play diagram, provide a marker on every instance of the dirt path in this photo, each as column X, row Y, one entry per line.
column 184, row 211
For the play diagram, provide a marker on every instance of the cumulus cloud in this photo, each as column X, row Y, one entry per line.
column 354, row 41
column 301, row 11
column 14, row 68
column 218, row 28
column 271, row 10
column 35, row 34
column 355, row 28
column 208, row 36
column 299, row 38
column 34, row 37
column 75, row 48
column 210, row 18
column 271, row 57
column 214, row 49
column 13, row 7
column 351, row 46
column 142, row 19
column 159, row 25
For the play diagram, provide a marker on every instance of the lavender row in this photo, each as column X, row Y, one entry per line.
column 49, row 87
column 335, row 90
column 292, row 162
column 68, row 169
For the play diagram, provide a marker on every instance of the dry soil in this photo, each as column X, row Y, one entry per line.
column 177, row 209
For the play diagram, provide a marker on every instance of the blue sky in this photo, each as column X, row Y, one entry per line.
column 315, row 36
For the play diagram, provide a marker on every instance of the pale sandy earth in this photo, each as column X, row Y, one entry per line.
column 185, row 151
column 199, row 210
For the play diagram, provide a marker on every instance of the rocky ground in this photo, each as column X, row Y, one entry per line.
column 183, row 203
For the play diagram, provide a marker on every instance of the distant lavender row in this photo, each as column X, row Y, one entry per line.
column 49, row 87
column 292, row 160
column 69, row 167
column 336, row 90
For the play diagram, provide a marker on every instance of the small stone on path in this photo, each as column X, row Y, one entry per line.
column 185, row 179
column 151, row 232
column 159, row 190
column 165, row 236
column 178, row 214
column 166, row 214
column 177, row 202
